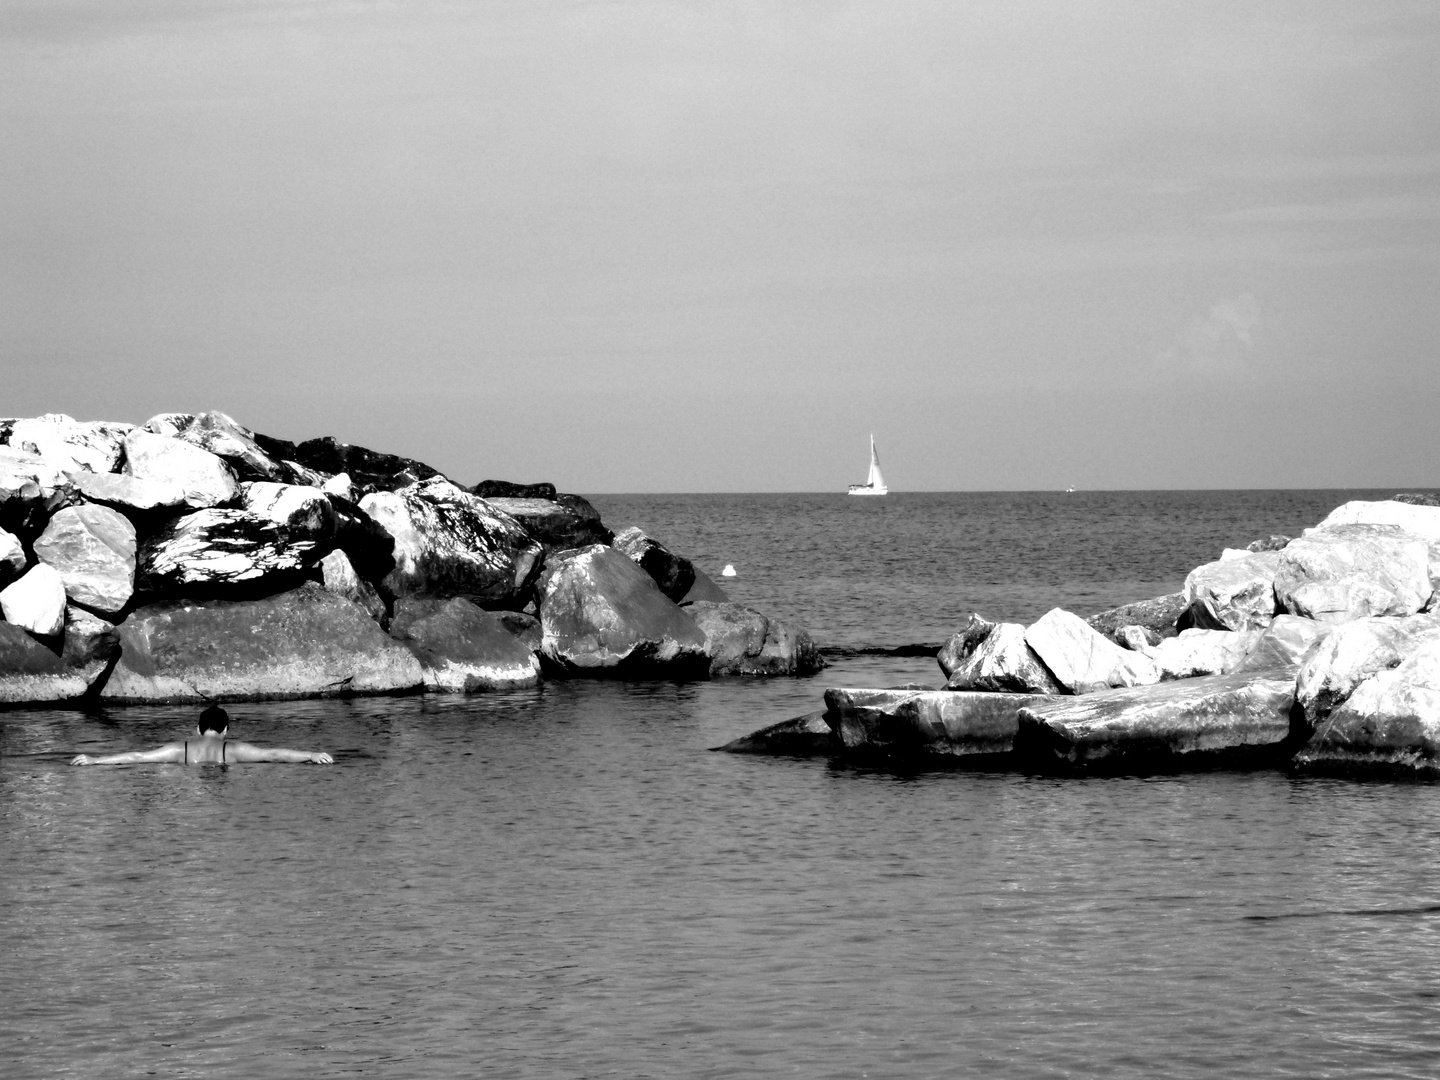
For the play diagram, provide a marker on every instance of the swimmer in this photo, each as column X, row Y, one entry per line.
column 211, row 748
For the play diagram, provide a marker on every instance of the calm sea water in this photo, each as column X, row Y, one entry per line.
column 565, row 882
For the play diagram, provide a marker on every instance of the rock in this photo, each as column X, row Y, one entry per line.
column 524, row 628
column 1285, row 644
column 461, row 647
column 504, row 489
column 1419, row 519
column 129, row 494
column 1201, row 652
column 1354, row 652
column 567, row 523
column 306, row 511
column 339, row 485
column 235, row 445
column 340, row 578
column 211, row 551
column 601, row 614
column 1081, row 659
column 303, row 643
column 451, row 543
column 168, row 423
column 1003, row 663
column 369, row 470
column 1274, row 542
column 1344, row 572
column 1236, row 719
column 299, row 474
column 704, row 588
column 32, row 674
column 36, row 601
column 1391, row 719
column 12, row 557
column 675, row 575
column 93, row 549
column 804, row 736
column 1136, row 638
column 31, row 489
column 741, row 641
column 206, row 480
column 910, row 724
column 70, row 445
column 963, row 643
column 1238, row 592
column 1158, row 616
column 90, row 642
column 369, row 544
column 1415, row 499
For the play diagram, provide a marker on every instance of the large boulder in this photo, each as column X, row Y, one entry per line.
column 71, row 445
column 93, row 549
column 1344, row 572
column 1239, row 719
column 917, row 724
column 804, row 736
column 368, row 544
column 31, row 489
column 1083, row 660
column 1391, row 719
column 451, row 543
column 1286, row 643
column 741, row 641
column 303, row 643
column 566, row 521
column 1156, row 617
column 963, row 643
column 1354, row 652
column 1412, row 514
column 206, row 479
column 213, row 551
column 462, row 648
column 129, row 494
column 1238, row 592
column 306, row 511
column 339, row 577
column 1003, row 663
column 673, row 573
column 600, row 614
column 235, row 445
column 32, row 674
column 12, row 557
column 369, row 470
column 36, row 601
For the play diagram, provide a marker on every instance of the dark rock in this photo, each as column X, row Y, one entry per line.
column 504, row 489
column 211, row 552
column 93, row 549
column 1417, row 499
column 804, row 736
column 703, row 588
column 31, row 674
column 918, row 724
column 462, row 648
column 601, row 614
column 741, row 641
column 451, row 543
column 1270, row 543
column 525, row 628
column 303, row 643
column 963, row 643
column 567, row 522
column 89, row 641
column 1235, row 719
column 31, row 489
column 369, row 470
column 367, row 543
column 674, row 574
column 1158, row 616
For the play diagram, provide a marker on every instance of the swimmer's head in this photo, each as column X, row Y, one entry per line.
column 213, row 719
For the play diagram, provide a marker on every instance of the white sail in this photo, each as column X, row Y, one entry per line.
column 874, row 482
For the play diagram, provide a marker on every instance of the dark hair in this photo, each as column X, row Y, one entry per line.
column 213, row 719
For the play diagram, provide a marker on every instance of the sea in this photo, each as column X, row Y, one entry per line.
column 568, row 882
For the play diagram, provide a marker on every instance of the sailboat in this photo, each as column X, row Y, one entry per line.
column 874, row 483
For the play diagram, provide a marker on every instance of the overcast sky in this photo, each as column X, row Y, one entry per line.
column 671, row 246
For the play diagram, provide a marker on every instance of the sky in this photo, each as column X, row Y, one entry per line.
column 627, row 246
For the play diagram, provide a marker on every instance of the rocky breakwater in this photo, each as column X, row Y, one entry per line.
column 1320, row 652
column 189, row 558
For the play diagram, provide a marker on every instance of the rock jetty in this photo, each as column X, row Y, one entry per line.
column 1319, row 652
column 189, row 558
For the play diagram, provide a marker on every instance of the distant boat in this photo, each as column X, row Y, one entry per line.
column 1070, row 490
column 874, row 483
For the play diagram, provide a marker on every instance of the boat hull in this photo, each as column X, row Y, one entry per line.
column 860, row 489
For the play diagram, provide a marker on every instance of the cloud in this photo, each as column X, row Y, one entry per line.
column 1219, row 343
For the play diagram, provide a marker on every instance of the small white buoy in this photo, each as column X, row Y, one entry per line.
column 729, row 571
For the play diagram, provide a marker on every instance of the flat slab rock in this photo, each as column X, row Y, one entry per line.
column 926, row 723
column 299, row 644
column 1235, row 718
column 804, row 736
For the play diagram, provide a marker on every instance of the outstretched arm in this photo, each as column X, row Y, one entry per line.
column 243, row 751
column 169, row 752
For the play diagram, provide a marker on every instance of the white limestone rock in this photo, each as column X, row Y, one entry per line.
column 1003, row 663
column 36, row 601
column 236, row 445
column 1286, row 643
column 303, row 509
column 72, row 445
column 340, row 578
column 31, row 489
column 339, row 484
column 1354, row 652
column 168, row 423
column 920, row 724
column 93, row 550
column 12, row 556
column 128, row 493
column 963, row 643
column 1347, row 572
column 216, row 548
column 206, row 480
column 1195, row 652
column 1418, row 520
column 1239, row 588
column 1082, row 659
